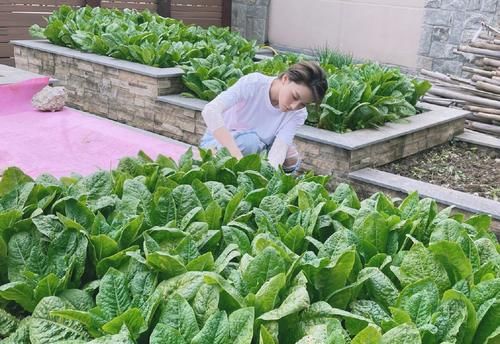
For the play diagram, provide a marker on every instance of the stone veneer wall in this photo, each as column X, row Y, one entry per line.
column 449, row 23
column 250, row 18
column 324, row 158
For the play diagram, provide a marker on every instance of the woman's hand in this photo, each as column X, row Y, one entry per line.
column 224, row 137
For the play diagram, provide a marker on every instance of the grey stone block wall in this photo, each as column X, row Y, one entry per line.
column 449, row 23
column 250, row 18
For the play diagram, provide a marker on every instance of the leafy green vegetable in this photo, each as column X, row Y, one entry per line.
column 366, row 96
column 144, row 254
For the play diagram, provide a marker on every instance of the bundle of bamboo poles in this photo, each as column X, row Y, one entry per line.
column 479, row 92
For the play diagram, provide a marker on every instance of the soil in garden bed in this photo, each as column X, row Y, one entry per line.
column 455, row 165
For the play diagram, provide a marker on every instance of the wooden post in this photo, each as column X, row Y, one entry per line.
column 226, row 13
column 164, row 8
column 92, row 3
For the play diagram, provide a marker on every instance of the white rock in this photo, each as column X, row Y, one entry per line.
column 50, row 99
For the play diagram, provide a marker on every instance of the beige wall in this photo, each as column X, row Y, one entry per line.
column 387, row 31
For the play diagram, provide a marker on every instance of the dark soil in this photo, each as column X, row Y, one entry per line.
column 455, row 165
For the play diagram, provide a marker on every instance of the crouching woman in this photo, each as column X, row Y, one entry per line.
column 260, row 112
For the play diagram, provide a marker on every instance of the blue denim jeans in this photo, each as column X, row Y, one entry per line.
column 248, row 142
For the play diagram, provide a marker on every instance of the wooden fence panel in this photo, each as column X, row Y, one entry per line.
column 16, row 17
column 201, row 12
column 137, row 5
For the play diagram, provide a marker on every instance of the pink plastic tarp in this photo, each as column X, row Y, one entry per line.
column 67, row 141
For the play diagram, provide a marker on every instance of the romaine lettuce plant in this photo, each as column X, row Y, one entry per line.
column 141, row 37
column 367, row 96
column 224, row 251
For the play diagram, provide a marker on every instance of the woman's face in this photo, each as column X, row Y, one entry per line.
column 293, row 96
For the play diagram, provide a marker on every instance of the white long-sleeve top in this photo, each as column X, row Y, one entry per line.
column 246, row 106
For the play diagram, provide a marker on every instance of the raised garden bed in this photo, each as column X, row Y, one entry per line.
column 133, row 94
column 335, row 154
column 369, row 180
column 456, row 165
column 471, row 156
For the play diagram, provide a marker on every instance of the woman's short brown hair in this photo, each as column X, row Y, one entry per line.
column 310, row 74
